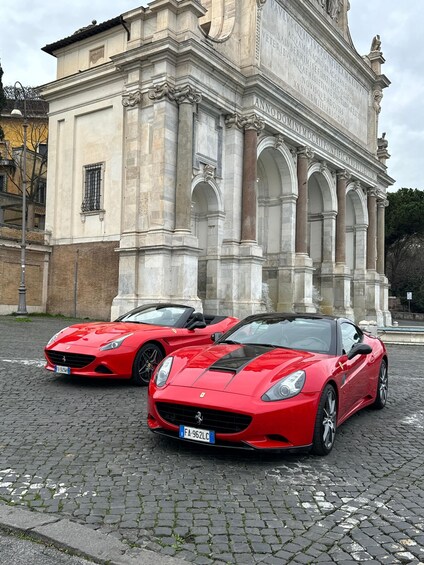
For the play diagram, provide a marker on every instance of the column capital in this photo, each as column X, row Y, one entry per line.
column 187, row 95
column 382, row 202
column 372, row 191
column 305, row 152
column 162, row 90
column 343, row 174
column 181, row 94
column 251, row 121
column 132, row 99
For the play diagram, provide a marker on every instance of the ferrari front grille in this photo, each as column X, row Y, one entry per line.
column 219, row 421
column 74, row 360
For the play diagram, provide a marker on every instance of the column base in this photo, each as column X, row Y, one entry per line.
column 303, row 285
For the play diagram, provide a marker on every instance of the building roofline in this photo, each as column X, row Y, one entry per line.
column 85, row 32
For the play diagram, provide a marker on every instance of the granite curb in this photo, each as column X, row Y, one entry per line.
column 77, row 539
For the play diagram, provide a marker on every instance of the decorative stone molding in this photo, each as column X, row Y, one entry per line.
column 260, row 3
column 372, row 191
column 208, row 172
column 343, row 174
column 305, row 152
column 378, row 96
column 357, row 187
column 323, row 167
column 132, row 99
column 334, row 8
column 279, row 140
column 160, row 91
column 187, row 95
column 252, row 121
column 179, row 94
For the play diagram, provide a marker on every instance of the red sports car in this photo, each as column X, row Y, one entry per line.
column 273, row 381
column 133, row 345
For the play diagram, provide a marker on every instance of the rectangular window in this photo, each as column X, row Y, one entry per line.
column 2, row 183
column 93, row 179
column 40, row 196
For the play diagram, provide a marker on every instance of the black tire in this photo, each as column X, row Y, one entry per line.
column 145, row 363
column 382, row 387
column 326, row 422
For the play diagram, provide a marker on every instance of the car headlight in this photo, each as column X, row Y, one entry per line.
column 55, row 336
column 114, row 344
column 287, row 387
column 162, row 373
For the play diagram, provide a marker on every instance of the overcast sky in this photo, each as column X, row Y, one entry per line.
column 26, row 27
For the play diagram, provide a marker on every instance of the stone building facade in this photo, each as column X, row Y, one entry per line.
column 220, row 153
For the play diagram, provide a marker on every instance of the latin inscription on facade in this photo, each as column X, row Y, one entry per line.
column 310, row 137
column 304, row 65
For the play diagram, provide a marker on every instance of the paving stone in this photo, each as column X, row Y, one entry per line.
column 88, row 455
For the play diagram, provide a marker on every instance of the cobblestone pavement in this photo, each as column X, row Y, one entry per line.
column 81, row 449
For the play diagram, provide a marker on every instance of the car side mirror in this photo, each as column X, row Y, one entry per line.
column 359, row 349
column 216, row 336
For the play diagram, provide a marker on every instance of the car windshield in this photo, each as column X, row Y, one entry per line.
column 156, row 315
column 292, row 332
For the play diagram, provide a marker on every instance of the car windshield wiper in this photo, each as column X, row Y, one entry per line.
column 231, row 342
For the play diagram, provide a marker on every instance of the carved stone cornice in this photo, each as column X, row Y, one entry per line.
column 305, row 152
column 132, row 99
column 252, row 121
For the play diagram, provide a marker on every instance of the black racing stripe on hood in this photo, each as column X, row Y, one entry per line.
column 239, row 358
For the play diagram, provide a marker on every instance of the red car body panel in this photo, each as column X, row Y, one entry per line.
column 282, row 424
column 87, row 338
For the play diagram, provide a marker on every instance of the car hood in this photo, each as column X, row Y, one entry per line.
column 241, row 369
column 96, row 334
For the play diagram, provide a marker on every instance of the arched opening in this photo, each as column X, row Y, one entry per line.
column 206, row 226
column 275, row 226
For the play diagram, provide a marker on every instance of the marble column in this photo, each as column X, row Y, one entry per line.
column 373, row 309
column 381, row 205
column 185, row 97
column 372, row 230
column 342, row 178
column 303, row 268
column 249, row 255
column 304, row 154
column 342, row 274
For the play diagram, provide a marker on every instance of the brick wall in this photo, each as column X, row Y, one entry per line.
column 83, row 280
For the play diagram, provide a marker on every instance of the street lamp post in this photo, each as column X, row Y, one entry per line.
column 22, row 308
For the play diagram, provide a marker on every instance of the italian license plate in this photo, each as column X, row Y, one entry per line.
column 62, row 369
column 195, row 434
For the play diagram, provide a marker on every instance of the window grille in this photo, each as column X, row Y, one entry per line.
column 92, row 188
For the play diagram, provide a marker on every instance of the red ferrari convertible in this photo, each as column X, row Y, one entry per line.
column 133, row 345
column 273, row 381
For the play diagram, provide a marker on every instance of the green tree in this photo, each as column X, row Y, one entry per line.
column 405, row 245
column 2, row 100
